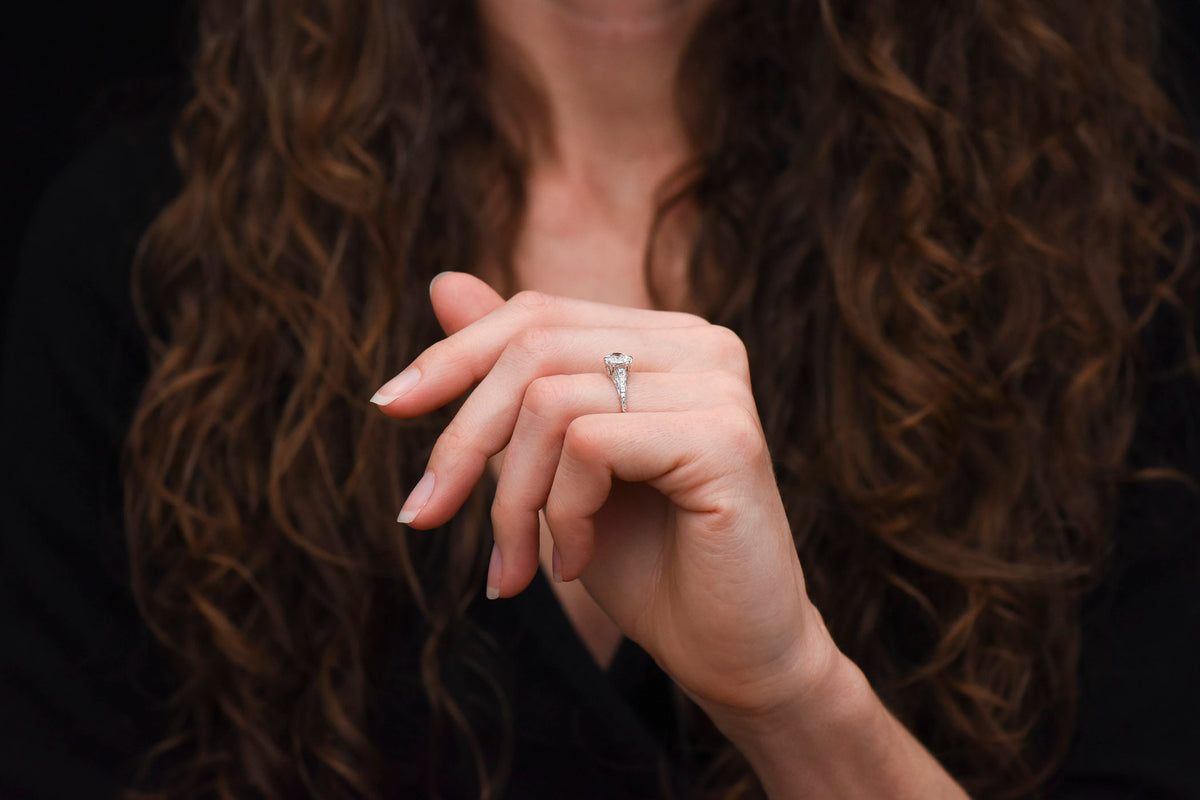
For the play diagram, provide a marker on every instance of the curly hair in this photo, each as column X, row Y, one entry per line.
column 941, row 229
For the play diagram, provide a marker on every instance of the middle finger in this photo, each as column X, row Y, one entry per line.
column 484, row 424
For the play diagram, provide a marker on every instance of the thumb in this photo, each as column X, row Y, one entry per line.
column 459, row 299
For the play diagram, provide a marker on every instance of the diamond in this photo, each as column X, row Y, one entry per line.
column 617, row 365
column 614, row 360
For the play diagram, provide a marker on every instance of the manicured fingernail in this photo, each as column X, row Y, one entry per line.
column 493, row 578
column 397, row 386
column 435, row 278
column 417, row 499
column 556, row 565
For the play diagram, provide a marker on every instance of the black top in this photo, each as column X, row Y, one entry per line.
column 80, row 682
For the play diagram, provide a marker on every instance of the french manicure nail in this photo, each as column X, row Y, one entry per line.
column 493, row 576
column 556, row 565
column 435, row 278
column 417, row 499
column 397, row 386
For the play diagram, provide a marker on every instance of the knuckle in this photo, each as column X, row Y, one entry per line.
column 690, row 320
column 452, row 440
column 580, row 440
column 558, row 518
column 534, row 343
column 454, row 357
column 727, row 389
column 545, row 397
column 502, row 513
column 530, row 301
column 741, row 432
column 728, row 346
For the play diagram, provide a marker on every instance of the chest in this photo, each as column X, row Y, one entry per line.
column 581, row 245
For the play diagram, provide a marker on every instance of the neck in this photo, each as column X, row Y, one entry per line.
column 602, row 75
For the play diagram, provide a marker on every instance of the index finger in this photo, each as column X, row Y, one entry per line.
column 450, row 367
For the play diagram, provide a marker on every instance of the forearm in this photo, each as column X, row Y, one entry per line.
column 840, row 743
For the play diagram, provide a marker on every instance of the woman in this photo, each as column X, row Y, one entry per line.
column 887, row 276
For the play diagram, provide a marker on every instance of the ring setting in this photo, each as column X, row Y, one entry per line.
column 617, row 365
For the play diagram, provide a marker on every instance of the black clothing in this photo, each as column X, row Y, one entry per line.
column 80, row 680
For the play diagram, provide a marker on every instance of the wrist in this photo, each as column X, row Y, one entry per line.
column 834, row 699
column 833, row 737
column 815, row 685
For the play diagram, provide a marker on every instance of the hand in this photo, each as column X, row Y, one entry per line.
column 669, row 513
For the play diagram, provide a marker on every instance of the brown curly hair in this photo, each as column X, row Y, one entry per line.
column 940, row 228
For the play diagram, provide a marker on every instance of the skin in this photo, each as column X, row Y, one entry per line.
column 668, row 516
column 601, row 145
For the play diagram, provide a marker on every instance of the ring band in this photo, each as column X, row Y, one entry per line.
column 617, row 365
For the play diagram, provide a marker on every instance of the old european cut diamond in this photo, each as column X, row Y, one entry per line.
column 618, row 365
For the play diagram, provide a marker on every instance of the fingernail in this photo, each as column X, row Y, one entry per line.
column 435, row 278
column 397, row 386
column 556, row 565
column 493, row 578
column 417, row 499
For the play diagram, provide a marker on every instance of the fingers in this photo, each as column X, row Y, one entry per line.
column 538, row 361
column 450, row 367
column 698, row 459
column 485, row 423
column 550, row 405
column 459, row 299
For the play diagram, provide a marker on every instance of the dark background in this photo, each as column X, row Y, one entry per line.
column 69, row 69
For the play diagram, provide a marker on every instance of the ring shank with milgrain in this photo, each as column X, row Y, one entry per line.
column 618, row 365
